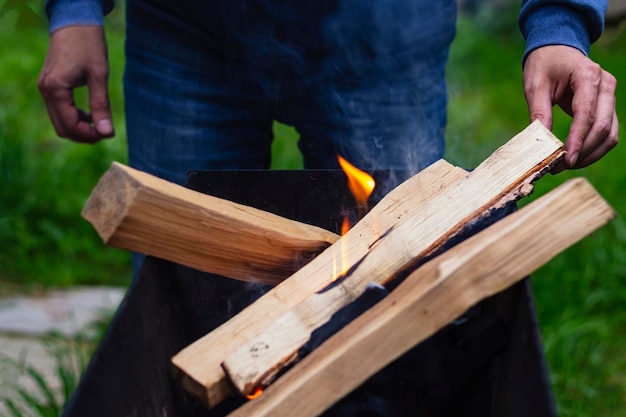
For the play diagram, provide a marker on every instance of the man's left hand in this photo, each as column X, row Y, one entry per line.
column 563, row 75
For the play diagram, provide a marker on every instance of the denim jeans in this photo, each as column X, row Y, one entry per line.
column 195, row 101
column 204, row 82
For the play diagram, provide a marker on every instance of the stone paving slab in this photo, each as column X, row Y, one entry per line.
column 63, row 311
column 16, row 353
column 26, row 323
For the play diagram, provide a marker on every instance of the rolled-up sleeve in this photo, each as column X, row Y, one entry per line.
column 63, row 13
column 575, row 23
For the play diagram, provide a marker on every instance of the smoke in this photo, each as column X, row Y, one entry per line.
column 362, row 79
column 388, row 64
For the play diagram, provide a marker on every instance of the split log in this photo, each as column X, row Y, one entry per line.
column 370, row 253
column 198, row 366
column 432, row 296
column 139, row 212
column 497, row 180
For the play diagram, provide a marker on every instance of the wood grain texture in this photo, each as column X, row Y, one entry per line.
column 139, row 212
column 413, row 221
column 432, row 296
column 198, row 366
column 505, row 176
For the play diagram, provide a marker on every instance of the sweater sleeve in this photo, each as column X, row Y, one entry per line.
column 576, row 23
column 63, row 13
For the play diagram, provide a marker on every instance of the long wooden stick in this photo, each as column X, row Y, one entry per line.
column 432, row 296
column 136, row 211
column 410, row 231
column 198, row 366
column 498, row 179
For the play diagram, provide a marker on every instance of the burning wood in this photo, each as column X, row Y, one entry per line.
column 432, row 296
column 418, row 218
column 139, row 212
column 198, row 367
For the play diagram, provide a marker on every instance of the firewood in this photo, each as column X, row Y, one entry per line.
column 432, row 296
column 136, row 211
column 198, row 366
column 494, row 182
column 370, row 253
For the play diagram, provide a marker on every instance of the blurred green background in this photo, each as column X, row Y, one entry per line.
column 580, row 296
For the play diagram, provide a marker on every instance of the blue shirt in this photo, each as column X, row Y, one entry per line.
column 575, row 23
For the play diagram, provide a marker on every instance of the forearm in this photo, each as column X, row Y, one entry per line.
column 62, row 13
column 575, row 23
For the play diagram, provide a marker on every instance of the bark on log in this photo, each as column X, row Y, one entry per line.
column 139, row 212
column 432, row 296
column 372, row 254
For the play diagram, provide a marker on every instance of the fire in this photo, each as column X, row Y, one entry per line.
column 361, row 184
column 255, row 394
column 345, row 225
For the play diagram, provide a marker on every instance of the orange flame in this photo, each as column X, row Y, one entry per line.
column 361, row 184
column 255, row 394
column 345, row 225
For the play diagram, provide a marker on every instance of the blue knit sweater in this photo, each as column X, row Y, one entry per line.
column 575, row 23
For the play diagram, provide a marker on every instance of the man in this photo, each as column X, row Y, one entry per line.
column 204, row 80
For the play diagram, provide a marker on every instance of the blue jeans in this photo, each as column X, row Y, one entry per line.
column 201, row 98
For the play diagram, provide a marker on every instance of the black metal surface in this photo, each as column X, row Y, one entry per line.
column 489, row 362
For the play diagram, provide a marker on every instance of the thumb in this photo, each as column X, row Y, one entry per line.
column 99, row 105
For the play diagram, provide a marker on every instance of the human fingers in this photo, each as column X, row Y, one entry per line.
column 76, row 57
column 538, row 94
column 99, row 103
column 609, row 141
column 585, row 85
column 602, row 136
column 68, row 121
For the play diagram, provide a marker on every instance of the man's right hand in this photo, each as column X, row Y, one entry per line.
column 77, row 57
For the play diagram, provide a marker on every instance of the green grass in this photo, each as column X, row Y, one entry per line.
column 26, row 391
column 285, row 153
column 580, row 294
column 44, row 182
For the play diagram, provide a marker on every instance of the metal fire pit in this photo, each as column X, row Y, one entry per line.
column 489, row 362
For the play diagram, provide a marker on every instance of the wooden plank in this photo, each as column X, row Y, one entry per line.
column 136, row 211
column 198, row 366
column 433, row 296
column 417, row 222
column 501, row 178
